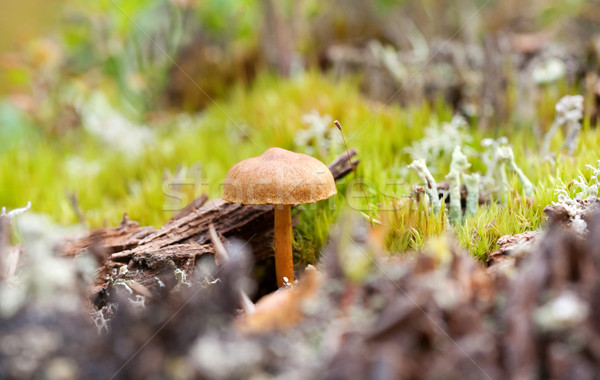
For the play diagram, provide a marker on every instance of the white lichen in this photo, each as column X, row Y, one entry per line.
column 139, row 302
column 182, row 280
column 455, row 214
column 459, row 161
column 431, row 190
column 18, row 211
column 569, row 110
column 577, row 207
column 549, row 71
column 319, row 134
column 10, row 258
column 472, row 184
column 221, row 358
column 100, row 119
column 43, row 278
column 595, row 171
column 440, row 140
column 507, row 157
column 565, row 311
column 124, row 285
column 101, row 317
column 579, row 225
column 458, row 168
column 491, row 159
column 389, row 58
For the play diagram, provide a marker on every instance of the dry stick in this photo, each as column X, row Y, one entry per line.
column 74, row 201
column 339, row 126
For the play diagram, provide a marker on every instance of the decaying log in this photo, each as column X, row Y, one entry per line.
column 147, row 251
column 109, row 240
column 148, row 270
column 195, row 204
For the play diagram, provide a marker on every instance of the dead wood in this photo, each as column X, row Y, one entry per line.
column 509, row 244
column 109, row 240
column 560, row 214
column 195, row 204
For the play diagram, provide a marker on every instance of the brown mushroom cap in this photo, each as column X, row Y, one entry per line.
column 279, row 176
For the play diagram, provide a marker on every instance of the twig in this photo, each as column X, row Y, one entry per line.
column 339, row 126
column 74, row 201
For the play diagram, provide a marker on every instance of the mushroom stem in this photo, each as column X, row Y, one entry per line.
column 284, row 262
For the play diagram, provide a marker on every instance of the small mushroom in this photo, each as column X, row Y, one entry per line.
column 283, row 179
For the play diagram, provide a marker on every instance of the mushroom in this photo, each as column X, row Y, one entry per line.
column 283, row 179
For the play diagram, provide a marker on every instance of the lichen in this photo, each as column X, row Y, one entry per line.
column 319, row 136
column 472, row 184
column 18, row 211
column 439, row 141
column 455, row 214
column 569, row 110
column 420, row 166
column 563, row 312
column 458, row 166
column 579, row 206
column 508, row 158
column 101, row 317
column 182, row 280
column 491, row 159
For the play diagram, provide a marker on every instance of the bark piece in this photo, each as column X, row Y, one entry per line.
column 193, row 205
column 110, row 240
column 509, row 243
